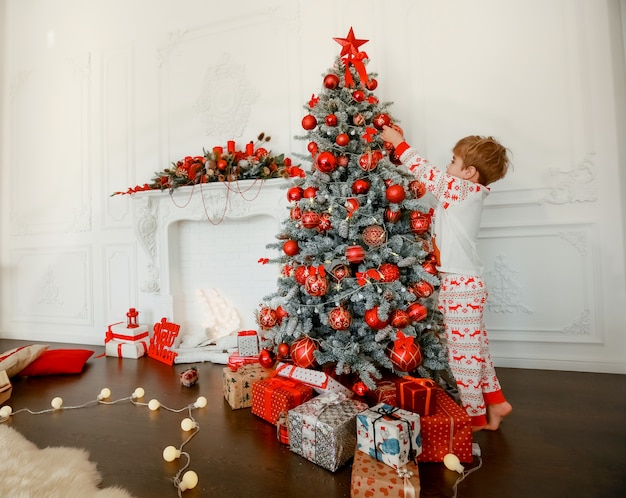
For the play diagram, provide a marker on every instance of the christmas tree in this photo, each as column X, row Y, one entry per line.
column 358, row 277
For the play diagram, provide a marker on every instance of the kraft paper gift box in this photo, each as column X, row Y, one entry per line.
column 321, row 382
column 5, row 386
column 271, row 397
column 389, row 434
column 238, row 385
column 447, row 430
column 416, row 395
column 120, row 349
column 322, row 430
column 374, row 479
column 248, row 343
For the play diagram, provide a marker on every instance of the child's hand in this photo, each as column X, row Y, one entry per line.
column 392, row 135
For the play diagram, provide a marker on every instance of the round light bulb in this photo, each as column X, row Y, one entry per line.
column 170, row 454
column 201, row 402
column 452, row 462
column 139, row 392
column 5, row 411
column 105, row 393
column 189, row 481
column 187, row 424
column 154, row 404
column 57, row 403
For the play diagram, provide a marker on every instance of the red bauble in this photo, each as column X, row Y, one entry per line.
column 419, row 222
column 283, row 350
column 360, row 389
column 325, row 162
column 417, row 311
column 342, row 139
column 291, row 248
column 267, row 358
column 405, row 354
column 310, row 219
column 294, row 194
column 331, row 120
column 309, row 192
column 324, row 223
column 371, row 84
column 392, row 216
column 339, row 318
column 381, row 120
column 417, row 188
column 395, row 193
column 300, row 274
column 309, row 122
column 422, row 289
column 343, row 161
column 352, row 205
column 267, row 318
column 312, row 147
column 371, row 318
column 374, row 235
column 355, row 254
column 389, row 271
column 360, row 186
column 281, row 313
column 430, row 267
column 340, row 271
column 222, row 164
column 302, row 352
column 331, row 81
column 295, row 213
column 369, row 160
column 400, row 319
column 358, row 119
column 316, row 285
column 358, row 95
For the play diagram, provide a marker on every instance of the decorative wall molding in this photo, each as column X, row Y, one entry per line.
column 579, row 184
column 506, row 293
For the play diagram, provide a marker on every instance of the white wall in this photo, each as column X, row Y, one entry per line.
column 98, row 95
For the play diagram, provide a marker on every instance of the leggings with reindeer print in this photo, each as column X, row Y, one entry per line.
column 462, row 301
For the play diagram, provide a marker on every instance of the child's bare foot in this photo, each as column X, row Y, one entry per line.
column 495, row 414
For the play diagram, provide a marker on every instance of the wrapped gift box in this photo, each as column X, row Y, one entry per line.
column 271, row 397
column 321, row 382
column 126, row 349
column 385, row 392
column 5, row 386
column 447, row 430
column 322, row 430
column 238, row 385
column 235, row 361
column 374, row 479
column 248, row 343
column 389, row 434
column 124, row 333
column 416, row 395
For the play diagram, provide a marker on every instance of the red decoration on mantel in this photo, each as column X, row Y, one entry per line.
column 165, row 334
column 132, row 318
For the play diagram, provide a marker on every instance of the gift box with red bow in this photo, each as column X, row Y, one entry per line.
column 122, row 349
column 248, row 343
column 416, row 395
column 237, row 385
column 271, row 397
column 374, row 479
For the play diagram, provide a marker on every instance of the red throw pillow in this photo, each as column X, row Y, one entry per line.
column 58, row 361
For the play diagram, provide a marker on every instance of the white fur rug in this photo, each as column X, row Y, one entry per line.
column 28, row 472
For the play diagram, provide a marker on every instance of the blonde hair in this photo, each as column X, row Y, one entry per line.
column 486, row 154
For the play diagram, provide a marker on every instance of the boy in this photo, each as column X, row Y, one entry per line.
column 461, row 191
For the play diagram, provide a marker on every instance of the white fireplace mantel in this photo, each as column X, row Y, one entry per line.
column 157, row 213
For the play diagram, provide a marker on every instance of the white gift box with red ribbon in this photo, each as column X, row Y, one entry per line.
column 248, row 343
column 124, row 333
column 321, row 382
column 122, row 349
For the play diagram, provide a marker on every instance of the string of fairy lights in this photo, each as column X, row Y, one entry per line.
column 184, row 479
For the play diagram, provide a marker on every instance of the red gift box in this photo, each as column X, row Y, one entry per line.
column 447, row 430
column 271, row 397
column 416, row 395
column 385, row 392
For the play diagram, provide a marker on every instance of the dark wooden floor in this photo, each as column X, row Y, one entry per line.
column 565, row 438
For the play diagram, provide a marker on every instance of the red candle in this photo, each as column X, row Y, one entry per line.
column 250, row 149
column 218, row 151
column 231, row 146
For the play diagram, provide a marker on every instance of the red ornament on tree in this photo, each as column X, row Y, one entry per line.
column 312, row 148
column 389, row 271
column 342, row 139
column 422, row 289
column 400, row 319
column 324, row 223
column 309, row 192
column 352, row 205
column 281, row 313
column 267, row 318
column 331, row 120
column 340, row 271
column 419, row 222
column 417, row 311
column 430, row 267
column 360, row 186
column 316, row 285
column 295, row 213
column 294, row 194
column 369, row 160
column 325, row 162
column 374, row 235
column 358, row 95
column 339, row 318
column 343, row 161
column 309, row 122
column 302, row 352
column 371, row 85
column 300, row 274
column 381, row 120
column 395, row 193
column 267, row 358
column 372, row 319
column 291, row 248
column 331, row 81
column 405, row 354
column 283, row 350
column 417, row 189
column 392, row 216
column 358, row 119
column 355, row 254
column 310, row 219
column 360, row 389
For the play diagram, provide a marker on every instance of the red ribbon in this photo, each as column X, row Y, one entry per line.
column 110, row 336
column 402, row 341
column 357, row 61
